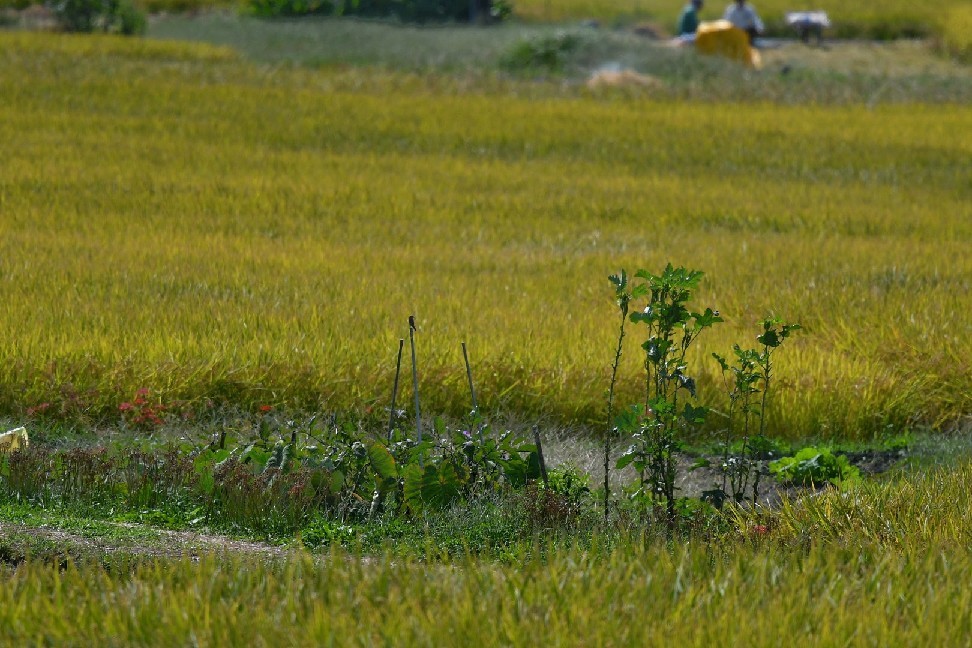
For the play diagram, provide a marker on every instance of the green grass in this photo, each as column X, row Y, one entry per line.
column 181, row 221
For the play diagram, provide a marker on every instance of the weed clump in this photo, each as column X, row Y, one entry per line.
column 814, row 466
column 542, row 54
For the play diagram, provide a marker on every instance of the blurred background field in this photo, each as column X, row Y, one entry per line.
column 883, row 19
column 886, row 19
column 177, row 219
column 841, row 71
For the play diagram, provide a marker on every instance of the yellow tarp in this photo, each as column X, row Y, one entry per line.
column 720, row 37
column 13, row 441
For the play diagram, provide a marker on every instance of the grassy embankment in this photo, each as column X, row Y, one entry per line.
column 177, row 220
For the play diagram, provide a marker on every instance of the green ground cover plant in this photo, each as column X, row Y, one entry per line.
column 223, row 259
column 277, row 486
column 812, row 466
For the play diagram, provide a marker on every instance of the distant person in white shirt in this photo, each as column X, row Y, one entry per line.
column 742, row 15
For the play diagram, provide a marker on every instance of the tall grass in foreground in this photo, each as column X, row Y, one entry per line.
column 885, row 564
column 633, row 596
column 181, row 222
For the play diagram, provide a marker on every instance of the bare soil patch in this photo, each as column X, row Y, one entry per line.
column 18, row 541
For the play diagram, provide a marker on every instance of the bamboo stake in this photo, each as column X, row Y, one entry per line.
column 543, row 465
column 398, row 372
column 418, row 414
column 472, row 392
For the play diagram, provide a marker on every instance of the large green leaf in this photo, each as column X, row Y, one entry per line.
column 412, row 491
column 431, row 486
column 440, row 486
column 382, row 461
column 337, row 481
column 515, row 470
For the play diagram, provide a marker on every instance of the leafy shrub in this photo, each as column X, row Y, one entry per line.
column 549, row 53
column 115, row 16
column 560, row 500
column 814, row 466
column 181, row 6
column 747, row 380
column 569, row 482
column 658, row 426
column 501, row 9
column 285, row 8
column 131, row 21
column 423, row 10
column 406, row 10
column 322, row 532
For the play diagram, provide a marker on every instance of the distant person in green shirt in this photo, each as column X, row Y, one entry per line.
column 688, row 21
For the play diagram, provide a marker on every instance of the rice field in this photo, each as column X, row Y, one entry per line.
column 178, row 220
column 186, row 229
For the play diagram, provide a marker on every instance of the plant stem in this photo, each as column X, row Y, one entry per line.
column 766, row 384
column 610, row 409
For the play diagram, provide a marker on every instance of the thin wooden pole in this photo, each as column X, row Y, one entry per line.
column 398, row 372
column 543, row 465
column 472, row 392
column 418, row 413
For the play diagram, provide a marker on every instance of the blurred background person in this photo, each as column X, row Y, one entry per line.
column 688, row 21
column 742, row 15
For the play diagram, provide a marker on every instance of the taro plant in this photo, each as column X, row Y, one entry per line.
column 657, row 426
column 747, row 381
column 466, row 464
column 812, row 466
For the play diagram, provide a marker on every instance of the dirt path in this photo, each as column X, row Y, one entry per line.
column 20, row 540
